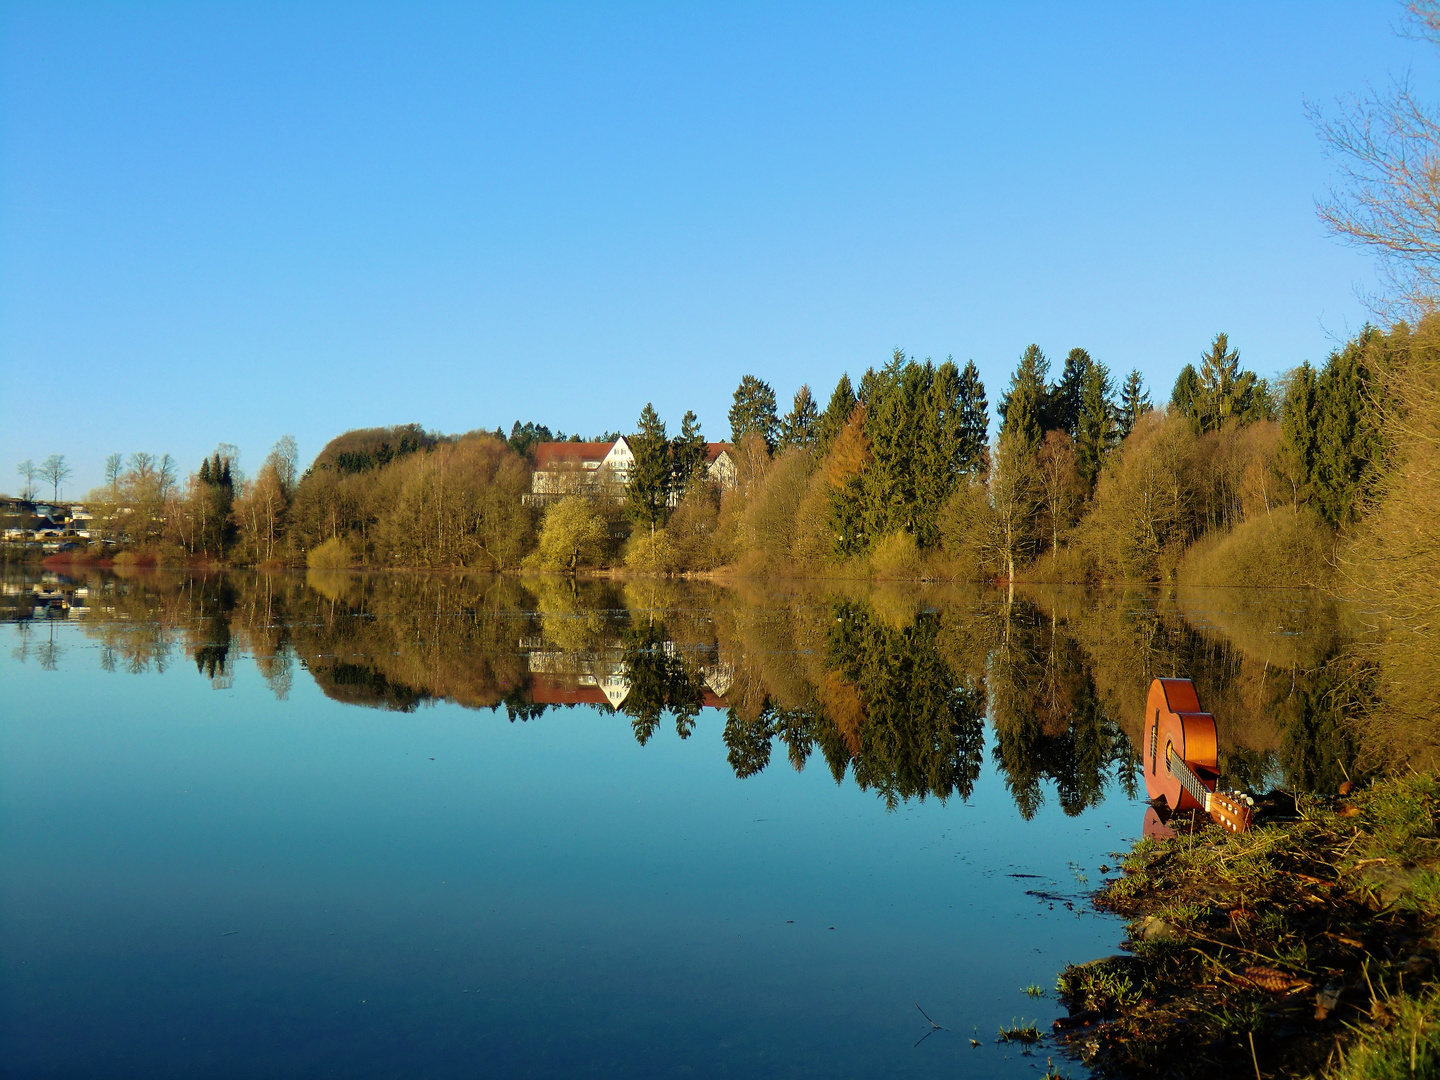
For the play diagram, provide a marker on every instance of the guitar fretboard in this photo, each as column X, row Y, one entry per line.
column 1188, row 780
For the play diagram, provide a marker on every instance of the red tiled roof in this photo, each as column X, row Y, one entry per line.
column 714, row 449
column 548, row 454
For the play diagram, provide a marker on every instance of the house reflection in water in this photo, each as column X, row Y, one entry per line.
column 600, row 676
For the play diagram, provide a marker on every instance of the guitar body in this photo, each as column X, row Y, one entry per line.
column 1173, row 718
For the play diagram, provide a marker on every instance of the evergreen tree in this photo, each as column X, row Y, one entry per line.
column 1330, row 436
column 921, row 422
column 1185, row 397
column 801, row 423
column 754, row 410
column 523, row 438
column 1065, row 400
column 687, row 453
column 1134, row 403
column 204, row 474
column 1297, row 431
column 647, row 495
column 1024, row 408
column 1097, row 425
column 832, row 420
column 974, row 420
column 1221, row 390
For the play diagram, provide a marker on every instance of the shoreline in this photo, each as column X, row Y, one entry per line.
column 1307, row 946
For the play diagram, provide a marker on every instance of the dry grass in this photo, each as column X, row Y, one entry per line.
column 1288, row 547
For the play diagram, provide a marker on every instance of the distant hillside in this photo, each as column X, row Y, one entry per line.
column 369, row 448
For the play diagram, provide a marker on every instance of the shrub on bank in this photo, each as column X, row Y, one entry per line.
column 1288, row 547
column 333, row 554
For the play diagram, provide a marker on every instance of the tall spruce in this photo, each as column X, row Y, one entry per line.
column 647, row 495
column 1097, row 425
column 1025, row 407
column 832, row 420
column 1066, row 398
column 921, row 423
column 974, row 420
column 801, row 424
column 687, row 452
column 1134, row 403
column 1329, row 431
column 1221, row 391
column 1296, row 457
column 1185, row 396
column 754, row 410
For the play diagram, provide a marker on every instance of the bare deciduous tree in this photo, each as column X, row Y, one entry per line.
column 1387, row 145
column 29, row 470
column 55, row 472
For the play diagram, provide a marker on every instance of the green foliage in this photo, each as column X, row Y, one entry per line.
column 1025, row 408
column 1134, row 403
column 333, row 554
column 754, row 410
column 832, row 420
column 1185, row 397
column 1405, row 1044
column 923, row 728
column 801, row 424
column 687, row 453
column 1101, row 985
column 1021, row 1031
column 895, row 557
column 572, row 535
column 523, row 437
column 1330, row 429
column 647, row 497
column 660, row 680
column 1221, row 391
column 1097, row 427
column 372, row 448
column 1050, row 722
column 920, row 421
column 1067, row 395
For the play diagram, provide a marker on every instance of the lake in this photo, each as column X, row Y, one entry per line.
column 432, row 826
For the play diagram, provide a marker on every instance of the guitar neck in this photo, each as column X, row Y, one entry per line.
column 1188, row 780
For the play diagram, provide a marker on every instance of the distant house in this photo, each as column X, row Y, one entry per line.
column 579, row 468
column 720, row 464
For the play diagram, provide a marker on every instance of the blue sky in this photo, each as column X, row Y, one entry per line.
column 226, row 222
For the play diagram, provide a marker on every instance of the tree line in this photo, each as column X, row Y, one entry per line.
column 895, row 476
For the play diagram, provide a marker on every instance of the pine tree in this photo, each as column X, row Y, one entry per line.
column 832, row 420
column 754, row 410
column 1134, row 403
column 204, row 475
column 647, row 495
column 974, row 420
column 802, row 423
column 1296, row 457
column 687, row 453
column 1066, row 398
column 1024, row 407
column 1185, row 398
column 1330, row 435
column 1097, row 425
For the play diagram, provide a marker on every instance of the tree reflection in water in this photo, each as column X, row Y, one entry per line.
column 891, row 686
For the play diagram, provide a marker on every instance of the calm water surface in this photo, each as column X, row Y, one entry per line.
column 431, row 827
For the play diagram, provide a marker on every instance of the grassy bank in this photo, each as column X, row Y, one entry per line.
column 1305, row 947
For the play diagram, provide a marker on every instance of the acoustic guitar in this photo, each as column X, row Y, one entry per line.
column 1179, row 756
